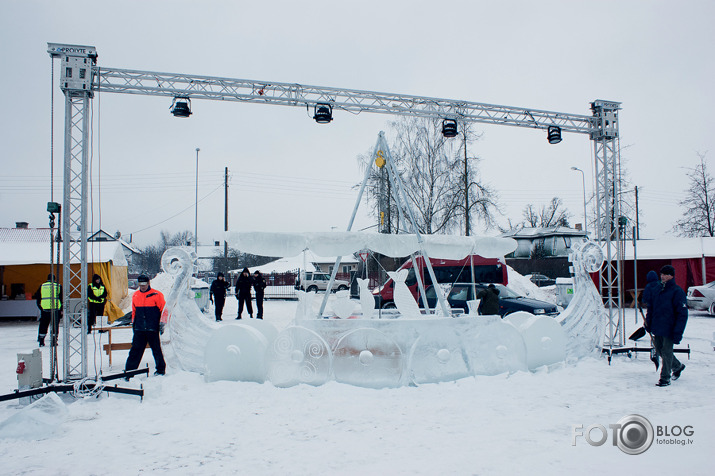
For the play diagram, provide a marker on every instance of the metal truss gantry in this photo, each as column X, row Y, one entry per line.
column 81, row 77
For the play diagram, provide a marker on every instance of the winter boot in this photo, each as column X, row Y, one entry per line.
column 676, row 374
column 41, row 341
column 662, row 383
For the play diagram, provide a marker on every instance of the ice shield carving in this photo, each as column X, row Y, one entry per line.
column 544, row 338
column 438, row 357
column 585, row 317
column 494, row 347
column 236, row 352
column 367, row 358
column 298, row 355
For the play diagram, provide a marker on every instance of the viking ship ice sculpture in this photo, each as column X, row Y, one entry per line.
column 415, row 348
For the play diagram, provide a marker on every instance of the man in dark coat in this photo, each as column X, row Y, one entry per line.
column 489, row 301
column 649, row 292
column 667, row 320
column 243, row 292
column 217, row 294
column 259, row 284
column 97, row 297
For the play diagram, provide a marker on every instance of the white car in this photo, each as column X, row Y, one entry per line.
column 314, row 281
column 702, row 297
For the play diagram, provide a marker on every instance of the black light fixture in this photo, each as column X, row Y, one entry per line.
column 449, row 128
column 181, row 107
column 554, row 134
column 323, row 113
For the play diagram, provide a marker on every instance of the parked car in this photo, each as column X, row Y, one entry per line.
column 509, row 301
column 477, row 268
column 702, row 298
column 314, row 281
column 541, row 280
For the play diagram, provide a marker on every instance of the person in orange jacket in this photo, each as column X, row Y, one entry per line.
column 147, row 306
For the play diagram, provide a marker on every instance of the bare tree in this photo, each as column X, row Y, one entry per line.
column 553, row 214
column 430, row 174
column 477, row 199
column 150, row 259
column 699, row 202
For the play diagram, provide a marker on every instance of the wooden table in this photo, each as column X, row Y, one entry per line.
column 108, row 348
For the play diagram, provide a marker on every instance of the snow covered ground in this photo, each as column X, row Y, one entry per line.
column 517, row 424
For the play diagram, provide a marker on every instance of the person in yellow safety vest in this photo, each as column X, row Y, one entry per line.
column 49, row 299
column 97, row 297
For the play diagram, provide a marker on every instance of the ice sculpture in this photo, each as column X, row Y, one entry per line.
column 367, row 358
column 305, row 306
column 342, row 306
column 438, row 357
column 584, row 318
column 187, row 331
column 544, row 338
column 494, row 347
column 236, row 352
column 404, row 300
column 367, row 301
column 298, row 355
column 410, row 349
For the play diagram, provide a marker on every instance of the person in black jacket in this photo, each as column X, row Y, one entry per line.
column 217, row 294
column 667, row 320
column 243, row 292
column 97, row 297
column 259, row 284
column 649, row 292
column 489, row 301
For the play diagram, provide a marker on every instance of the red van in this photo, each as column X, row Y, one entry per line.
column 486, row 270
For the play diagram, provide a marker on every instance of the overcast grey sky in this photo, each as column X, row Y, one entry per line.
column 289, row 173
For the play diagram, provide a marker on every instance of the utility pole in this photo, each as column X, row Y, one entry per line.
column 638, row 228
column 196, row 207
column 225, row 211
column 466, row 186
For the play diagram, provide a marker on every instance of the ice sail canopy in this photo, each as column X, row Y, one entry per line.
column 346, row 243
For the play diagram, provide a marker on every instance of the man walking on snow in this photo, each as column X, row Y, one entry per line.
column 666, row 321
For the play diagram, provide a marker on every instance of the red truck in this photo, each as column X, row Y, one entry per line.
column 486, row 270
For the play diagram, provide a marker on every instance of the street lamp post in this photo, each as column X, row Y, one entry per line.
column 196, row 207
column 583, row 182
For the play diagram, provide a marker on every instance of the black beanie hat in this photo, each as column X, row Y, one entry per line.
column 667, row 269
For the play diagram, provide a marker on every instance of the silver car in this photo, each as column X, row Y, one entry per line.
column 702, row 298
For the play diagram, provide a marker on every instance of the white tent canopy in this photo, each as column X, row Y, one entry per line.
column 20, row 253
column 346, row 243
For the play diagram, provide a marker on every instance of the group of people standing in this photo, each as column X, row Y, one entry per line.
column 49, row 300
column 243, row 285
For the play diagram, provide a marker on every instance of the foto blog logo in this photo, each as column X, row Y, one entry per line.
column 633, row 434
